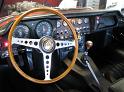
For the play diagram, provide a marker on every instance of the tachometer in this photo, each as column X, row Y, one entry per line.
column 44, row 28
column 21, row 31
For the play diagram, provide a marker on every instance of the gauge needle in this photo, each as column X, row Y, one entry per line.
column 43, row 28
column 20, row 32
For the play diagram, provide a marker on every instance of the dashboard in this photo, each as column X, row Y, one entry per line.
column 84, row 22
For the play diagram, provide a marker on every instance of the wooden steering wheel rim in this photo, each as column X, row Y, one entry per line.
column 15, row 65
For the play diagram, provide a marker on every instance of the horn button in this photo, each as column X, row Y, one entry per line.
column 47, row 44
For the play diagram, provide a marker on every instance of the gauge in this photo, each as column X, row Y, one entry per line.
column 58, row 24
column 64, row 23
column 79, row 21
column 44, row 28
column 73, row 21
column 21, row 31
column 86, row 20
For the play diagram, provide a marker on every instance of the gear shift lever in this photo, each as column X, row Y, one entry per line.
column 89, row 44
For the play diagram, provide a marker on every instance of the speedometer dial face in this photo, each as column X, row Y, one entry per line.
column 44, row 28
column 21, row 31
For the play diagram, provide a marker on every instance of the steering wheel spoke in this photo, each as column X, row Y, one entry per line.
column 47, row 65
column 33, row 43
column 63, row 44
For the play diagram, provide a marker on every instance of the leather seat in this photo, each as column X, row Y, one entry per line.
column 118, row 86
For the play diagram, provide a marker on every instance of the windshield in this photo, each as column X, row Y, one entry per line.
column 14, row 7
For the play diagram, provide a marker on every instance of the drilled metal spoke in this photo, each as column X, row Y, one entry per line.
column 47, row 65
column 63, row 44
column 33, row 43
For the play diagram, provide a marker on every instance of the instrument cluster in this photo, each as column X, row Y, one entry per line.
column 58, row 29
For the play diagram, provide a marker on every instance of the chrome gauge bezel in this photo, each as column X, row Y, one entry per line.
column 41, row 33
column 26, row 32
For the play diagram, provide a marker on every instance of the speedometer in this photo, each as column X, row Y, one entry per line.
column 21, row 31
column 44, row 28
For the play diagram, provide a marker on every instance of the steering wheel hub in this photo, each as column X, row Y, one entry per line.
column 47, row 44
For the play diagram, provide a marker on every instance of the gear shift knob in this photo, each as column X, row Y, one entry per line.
column 89, row 44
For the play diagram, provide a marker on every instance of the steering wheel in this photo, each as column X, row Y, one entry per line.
column 47, row 45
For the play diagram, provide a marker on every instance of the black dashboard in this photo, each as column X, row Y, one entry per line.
column 84, row 22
